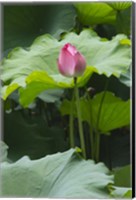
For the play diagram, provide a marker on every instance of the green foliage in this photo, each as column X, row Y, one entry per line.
column 51, row 96
column 62, row 175
column 121, row 192
column 35, row 20
column 28, row 132
column 120, row 5
column 126, row 78
column 95, row 13
column 123, row 21
column 122, row 176
column 115, row 112
column 101, row 32
column 38, row 82
column 29, row 66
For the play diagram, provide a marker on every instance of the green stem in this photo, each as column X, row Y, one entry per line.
column 97, row 150
column 91, row 127
column 80, row 126
column 92, row 142
column 71, row 124
column 97, row 146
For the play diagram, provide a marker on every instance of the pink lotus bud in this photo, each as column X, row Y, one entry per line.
column 71, row 63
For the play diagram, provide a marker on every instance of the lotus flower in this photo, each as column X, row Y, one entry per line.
column 71, row 63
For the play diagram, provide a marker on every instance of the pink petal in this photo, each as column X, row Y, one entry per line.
column 66, row 63
column 71, row 49
column 80, row 64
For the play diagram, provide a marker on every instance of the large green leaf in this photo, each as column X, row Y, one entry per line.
column 27, row 133
column 126, row 78
column 37, row 82
column 51, row 96
column 62, row 175
column 38, row 63
column 115, row 112
column 120, row 5
column 123, row 22
column 121, row 192
column 23, row 23
column 95, row 13
column 122, row 176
